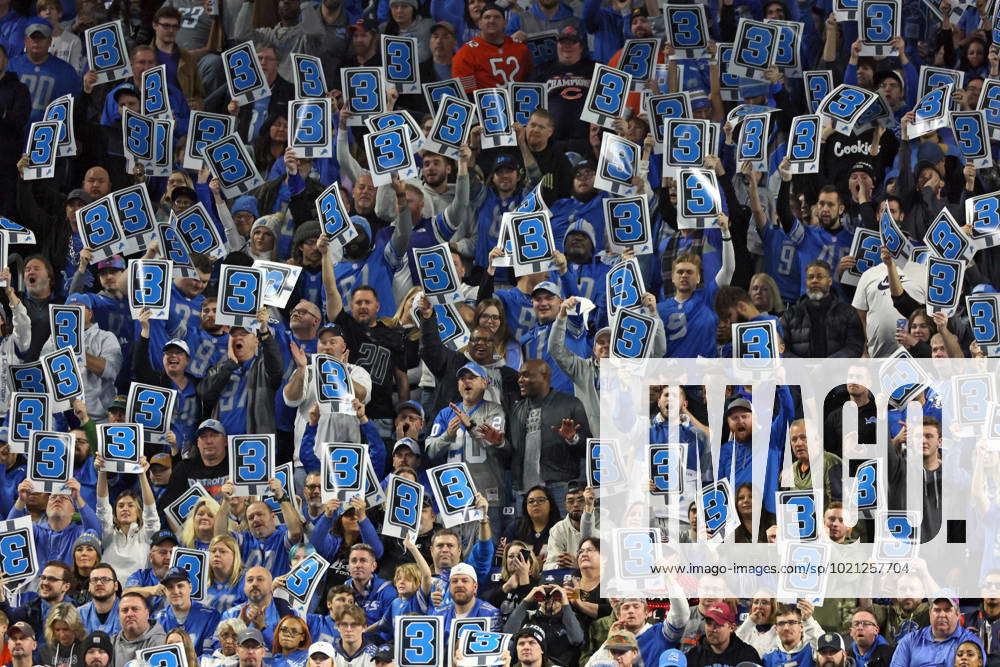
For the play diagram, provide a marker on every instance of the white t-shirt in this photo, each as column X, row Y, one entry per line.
column 872, row 296
column 332, row 426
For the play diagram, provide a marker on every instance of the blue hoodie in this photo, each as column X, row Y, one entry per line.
column 919, row 649
column 801, row 658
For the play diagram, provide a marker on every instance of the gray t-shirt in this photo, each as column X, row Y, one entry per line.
column 196, row 23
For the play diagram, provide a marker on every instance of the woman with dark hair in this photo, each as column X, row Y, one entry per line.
column 406, row 21
column 916, row 335
column 463, row 15
column 539, row 512
column 334, row 542
column 973, row 60
column 490, row 315
column 584, row 592
column 130, row 526
column 291, row 643
column 744, row 510
column 271, row 141
column 86, row 554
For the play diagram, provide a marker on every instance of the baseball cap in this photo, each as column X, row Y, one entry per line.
column 184, row 191
column 366, row 24
column 463, row 568
column 412, row 405
column 213, row 424
column 584, row 164
column 547, row 286
column 603, row 331
column 533, row 631
column 330, row 328
column 621, row 640
column 863, row 166
column 175, row 574
column 505, row 162
column 162, row 459
column 946, row 594
column 830, row 640
column 721, row 613
column 570, row 34
column 930, row 151
column 81, row 298
column 124, row 89
column 445, row 25
column 38, row 24
column 323, row 648
column 383, row 654
column 640, row 11
column 738, row 403
column 362, row 224
column 249, row 634
column 119, row 403
column 673, row 658
column 472, row 367
column 23, row 628
column 162, row 536
column 407, row 442
column 79, row 194
column 99, row 640
column 177, row 342
column 115, row 263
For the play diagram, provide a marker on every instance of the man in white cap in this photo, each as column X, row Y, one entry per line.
column 463, row 586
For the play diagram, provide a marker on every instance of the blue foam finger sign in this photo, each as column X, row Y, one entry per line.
column 437, row 274
column 50, row 461
column 149, row 286
column 244, row 75
column 153, row 407
column 309, row 79
column 61, row 110
column 454, row 493
column 617, row 165
column 154, row 100
column 62, row 375
column 878, row 26
column 121, row 445
column 607, row 97
column 419, row 641
column 28, row 412
column 251, row 463
column 628, row 224
column 972, row 137
column 42, row 150
column 403, row 507
column 804, row 141
column 310, row 129
column 232, row 164
column 525, row 98
column 203, row 129
column 496, row 117
column 195, row 563
column 107, row 54
column 399, row 57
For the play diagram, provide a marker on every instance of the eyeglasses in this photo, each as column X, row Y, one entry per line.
column 785, row 624
column 537, row 501
column 105, row 580
column 587, row 550
column 292, row 632
column 303, row 311
column 863, row 624
column 52, row 580
column 169, row 26
column 491, row 318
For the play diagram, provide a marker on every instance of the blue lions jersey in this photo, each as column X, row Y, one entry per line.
column 377, row 270
column 51, row 79
column 690, row 326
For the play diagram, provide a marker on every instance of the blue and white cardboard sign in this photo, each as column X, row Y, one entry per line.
column 150, row 283
column 244, row 75
column 107, row 54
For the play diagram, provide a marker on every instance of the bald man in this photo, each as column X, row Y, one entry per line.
column 548, row 433
column 261, row 610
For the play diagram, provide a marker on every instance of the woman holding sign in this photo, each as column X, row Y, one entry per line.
column 225, row 574
column 128, row 530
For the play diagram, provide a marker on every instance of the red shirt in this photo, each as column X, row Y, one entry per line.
column 480, row 64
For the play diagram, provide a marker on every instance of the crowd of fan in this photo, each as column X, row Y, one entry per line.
column 519, row 402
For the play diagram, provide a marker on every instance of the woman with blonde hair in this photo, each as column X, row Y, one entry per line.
column 199, row 527
column 291, row 643
column 64, row 633
column 520, row 572
column 181, row 636
column 225, row 656
column 765, row 295
column 225, row 568
column 130, row 527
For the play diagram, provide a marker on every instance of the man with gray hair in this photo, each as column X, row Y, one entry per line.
column 819, row 324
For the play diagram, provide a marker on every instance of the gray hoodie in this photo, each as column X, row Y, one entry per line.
column 125, row 649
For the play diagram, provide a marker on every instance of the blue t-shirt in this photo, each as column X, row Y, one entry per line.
column 46, row 81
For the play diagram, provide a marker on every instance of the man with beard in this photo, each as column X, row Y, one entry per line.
column 547, row 298
column 652, row 639
column 566, row 83
column 83, row 466
column 819, row 324
column 830, row 240
column 937, row 643
column 261, row 611
column 265, row 543
column 831, row 652
column 98, row 650
column 138, row 631
column 39, row 292
column 329, row 40
column 800, row 474
column 250, row 117
column 473, row 432
column 795, row 632
column 146, row 581
column 587, row 270
column 111, row 311
column 505, row 188
column 22, row 644
column 239, row 391
column 720, row 645
column 442, row 362
column 584, row 372
column 56, row 533
column 175, row 375
column 101, row 613
column 307, row 254
column 856, row 390
column 492, row 58
column 53, row 584
column 181, row 611
column 373, row 345
column 548, row 433
column 462, row 587
column 564, row 537
column 908, row 611
column 868, row 647
column 209, row 467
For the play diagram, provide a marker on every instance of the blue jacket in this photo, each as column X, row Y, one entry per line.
column 375, row 601
column 699, row 448
column 92, row 623
column 322, row 628
column 801, row 658
column 606, row 27
column 480, row 609
column 58, row 544
column 12, row 27
column 327, row 544
column 271, row 552
column 200, row 623
column 918, row 649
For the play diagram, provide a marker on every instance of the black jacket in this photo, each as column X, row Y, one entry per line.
column 841, row 334
column 264, row 377
column 15, row 108
column 738, row 651
column 881, row 655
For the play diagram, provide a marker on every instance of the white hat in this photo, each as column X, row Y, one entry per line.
column 463, row 568
column 326, row 648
